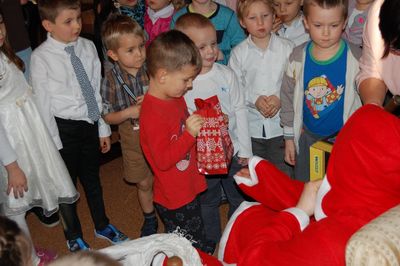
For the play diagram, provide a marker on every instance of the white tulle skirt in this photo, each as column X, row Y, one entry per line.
column 48, row 180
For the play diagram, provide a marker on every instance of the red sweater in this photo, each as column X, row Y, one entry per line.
column 170, row 151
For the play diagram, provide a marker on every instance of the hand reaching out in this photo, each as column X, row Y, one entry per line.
column 308, row 197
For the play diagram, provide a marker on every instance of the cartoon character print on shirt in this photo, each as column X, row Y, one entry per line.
column 321, row 94
column 183, row 164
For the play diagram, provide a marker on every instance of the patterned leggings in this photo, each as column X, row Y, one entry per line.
column 188, row 220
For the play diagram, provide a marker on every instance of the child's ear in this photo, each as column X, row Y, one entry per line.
column 241, row 23
column 112, row 55
column 47, row 25
column 161, row 75
column 306, row 23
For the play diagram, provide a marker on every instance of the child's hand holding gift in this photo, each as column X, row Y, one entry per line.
column 194, row 124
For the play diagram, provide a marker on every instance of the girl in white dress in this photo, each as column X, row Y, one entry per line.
column 32, row 172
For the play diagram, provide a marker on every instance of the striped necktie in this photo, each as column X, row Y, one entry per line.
column 86, row 86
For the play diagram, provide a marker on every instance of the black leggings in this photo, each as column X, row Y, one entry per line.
column 189, row 221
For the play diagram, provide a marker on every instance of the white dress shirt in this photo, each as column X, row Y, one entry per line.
column 296, row 32
column 260, row 72
column 222, row 81
column 56, row 87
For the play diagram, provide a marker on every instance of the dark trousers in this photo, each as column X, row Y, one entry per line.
column 272, row 150
column 189, row 221
column 211, row 199
column 302, row 167
column 80, row 153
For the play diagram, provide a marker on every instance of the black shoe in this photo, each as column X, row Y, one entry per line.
column 50, row 221
column 150, row 226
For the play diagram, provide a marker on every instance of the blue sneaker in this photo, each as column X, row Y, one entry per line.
column 77, row 245
column 111, row 234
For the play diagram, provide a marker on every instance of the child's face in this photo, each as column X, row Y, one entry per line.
column 130, row 3
column 66, row 27
column 205, row 40
column 325, row 25
column 2, row 31
column 287, row 10
column 130, row 54
column 157, row 5
column 177, row 83
column 258, row 21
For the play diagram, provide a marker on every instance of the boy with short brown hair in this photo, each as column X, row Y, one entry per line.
column 65, row 74
column 168, row 135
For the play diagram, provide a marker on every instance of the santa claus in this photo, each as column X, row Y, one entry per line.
column 293, row 223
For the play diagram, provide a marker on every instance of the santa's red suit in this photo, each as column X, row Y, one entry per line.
column 362, row 181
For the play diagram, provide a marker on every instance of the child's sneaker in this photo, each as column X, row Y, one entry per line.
column 77, row 245
column 45, row 255
column 111, row 234
column 150, row 226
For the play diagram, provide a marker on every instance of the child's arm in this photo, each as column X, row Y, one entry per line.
column 132, row 112
column 103, row 128
column 17, row 182
column 40, row 84
column 240, row 109
column 7, row 153
column 167, row 150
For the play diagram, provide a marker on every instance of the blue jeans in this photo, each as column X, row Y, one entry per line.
column 211, row 199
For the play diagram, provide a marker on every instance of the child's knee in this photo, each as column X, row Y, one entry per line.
column 146, row 185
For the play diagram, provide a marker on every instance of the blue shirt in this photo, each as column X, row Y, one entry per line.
column 324, row 87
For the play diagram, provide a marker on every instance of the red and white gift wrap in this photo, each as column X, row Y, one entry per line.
column 214, row 146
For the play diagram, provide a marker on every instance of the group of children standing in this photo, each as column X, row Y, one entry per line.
column 288, row 84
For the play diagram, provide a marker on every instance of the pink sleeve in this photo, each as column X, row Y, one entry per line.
column 373, row 46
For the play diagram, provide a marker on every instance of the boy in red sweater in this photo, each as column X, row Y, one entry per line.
column 168, row 135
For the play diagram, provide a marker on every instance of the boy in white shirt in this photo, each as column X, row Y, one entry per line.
column 289, row 21
column 259, row 62
column 217, row 79
column 66, row 74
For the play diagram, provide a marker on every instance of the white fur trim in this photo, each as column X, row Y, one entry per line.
column 222, row 243
column 253, row 180
column 322, row 191
column 301, row 216
column 142, row 251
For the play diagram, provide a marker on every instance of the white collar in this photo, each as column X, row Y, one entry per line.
column 163, row 13
column 59, row 45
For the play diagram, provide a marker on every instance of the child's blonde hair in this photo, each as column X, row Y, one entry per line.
column 172, row 50
column 192, row 20
column 326, row 4
column 117, row 25
column 243, row 7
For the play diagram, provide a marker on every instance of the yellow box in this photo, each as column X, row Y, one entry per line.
column 319, row 154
